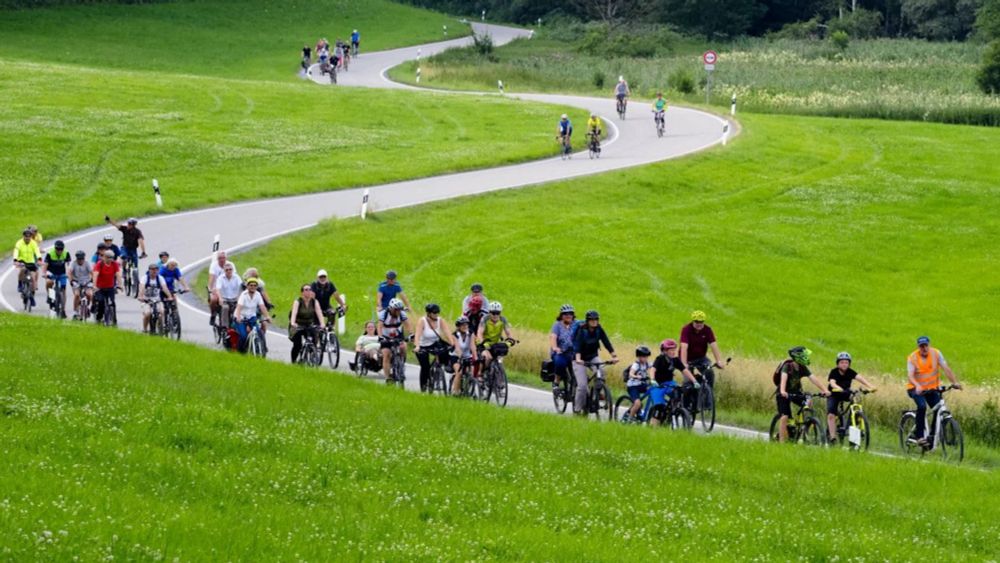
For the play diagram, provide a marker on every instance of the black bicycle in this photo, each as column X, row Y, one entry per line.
column 621, row 106
column 599, row 400
column 594, row 144
column 495, row 378
column 330, row 341
column 471, row 386
column 24, row 288
column 397, row 362
column 804, row 427
column 130, row 275
column 565, row 146
column 83, row 309
column 172, row 317
column 680, row 418
column 436, row 381
column 660, row 122
column 703, row 406
column 312, row 349
column 108, row 310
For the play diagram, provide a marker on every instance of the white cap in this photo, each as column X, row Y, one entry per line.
column 320, row 273
column 564, row 116
column 621, row 79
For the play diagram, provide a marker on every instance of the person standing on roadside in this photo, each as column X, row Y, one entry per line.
column 696, row 339
column 389, row 290
column 923, row 372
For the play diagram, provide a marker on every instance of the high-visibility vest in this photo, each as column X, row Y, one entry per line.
column 928, row 370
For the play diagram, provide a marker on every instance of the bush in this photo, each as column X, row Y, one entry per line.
column 840, row 40
column 859, row 24
column 809, row 29
column 681, row 81
column 988, row 75
column 483, row 43
column 599, row 79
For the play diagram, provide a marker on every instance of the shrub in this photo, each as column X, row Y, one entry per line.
column 988, row 75
column 840, row 40
column 483, row 43
column 809, row 29
column 682, row 81
column 599, row 79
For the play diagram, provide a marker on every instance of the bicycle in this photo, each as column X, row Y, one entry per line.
column 621, row 106
column 58, row 302
column 255, row 340
column 24, row 288
column 659, row 122
column 354, row 49
column 804, row 427
column 83, row 309
column 704, row 406
column 945, row 432
column 471, row 386
column 397, row 362
column 221, row 329
column 155, row 326
column 312, row 349
column 495, row 379
column 566, row 147
column 436, row 381
column 109, row 311
column 852, row 424
column 599, row 398
column 130, row 274
column 330, row 341
column 594, row 144
column 680, row 417
column 172, row 317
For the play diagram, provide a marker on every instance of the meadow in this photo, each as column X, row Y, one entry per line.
column 250, row 39
column 193, row 454
column 880, row 78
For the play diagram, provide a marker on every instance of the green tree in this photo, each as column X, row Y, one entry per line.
column 714, row 19
column 940, row 19
column 988, row 19
column 988, row 75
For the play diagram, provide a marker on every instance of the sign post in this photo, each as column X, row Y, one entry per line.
column 341, row 323
column 364, row 205
column 156, row 192
column 215, row 244
column 709, row 58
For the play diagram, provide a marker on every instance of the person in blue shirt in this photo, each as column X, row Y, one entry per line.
column 355, row 42
column 564, row 132
column 390, row 289
column 106, row 245
column 162, row 262
column 171, row 273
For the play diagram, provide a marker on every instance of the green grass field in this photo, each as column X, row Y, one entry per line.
column 246, row 39
column 857, row 235
column 193, row 454
column 890, row 79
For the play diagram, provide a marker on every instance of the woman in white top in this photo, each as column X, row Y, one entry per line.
column 433, row 337
column 465, row 349
column 248, row 306
column 367, row 348
column 261, row 286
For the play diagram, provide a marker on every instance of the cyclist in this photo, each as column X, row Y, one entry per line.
column 923, row 372
column 306, row 315
column 392, row 321
column 106, row 276
column 622, row 91
column 80, row 280
column 154, row 290
column 389, row 290
column 249, row 304
column 261, row 286
column 561, row 343
column 171, row 272
column 492, row 330
column 324, row 289
column 214, row 272
column 475, row 290
column 637, row 380
column 465, row 349
column 564, row 132
column 662, row 373
column 108, row 244
column 839, row 385
column 164, row 257
column 475, row 312
column 355, row 41
column 26, row 255
column 132, row 240
column 587, row 345
column 433, row 335
column 228, row 288
column 788, row 379
column 35, row 235
column 696, row 338
column 366, row 348
column 594, row 126
column 659, row 107
column 54, row 272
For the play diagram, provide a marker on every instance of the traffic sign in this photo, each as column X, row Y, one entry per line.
column 710, row 57
column 709, row 67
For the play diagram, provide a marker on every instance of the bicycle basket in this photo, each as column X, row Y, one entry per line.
column 548, row 371
column 499, row 349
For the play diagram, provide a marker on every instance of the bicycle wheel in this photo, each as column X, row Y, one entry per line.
column 907, row 428
column 657, row 413
column 622, row 406
column 333, row 349
column 602, row 403
column 952, row 442
column 706, row 408
column 175, row 325
column 562, row 395
column 254, row 346
column 436, row 383
column 399, row 370
column 498, row 385
column 773, row 434
column 135, row 282
column 810, row 434
column 681, row 419
column 863, row 432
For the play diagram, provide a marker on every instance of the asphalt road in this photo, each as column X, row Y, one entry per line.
column 189, row 235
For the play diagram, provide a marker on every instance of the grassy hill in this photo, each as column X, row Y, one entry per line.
column 187, row 453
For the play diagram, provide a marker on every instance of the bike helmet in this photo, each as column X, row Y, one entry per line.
column 844, row 356
column 390, row 275
column 81, row 254
column 621, row 78
column 801, row 355
column 109, row 237
column 26, row 232
column 432, row 308
column 252, row 281
column 495, row 307
column 101, row 246
column 132, row 220
column 592, row 314
column 698, row 316
column 396, row 304
column 164, row 253
column 476, row 288
column 33, row 229
column 668, row 344
column 153, row 267
column 476, row 303
column 567, row 308
column 564, row 117
column 642, row 352
column 60, row 245
column 463, row 320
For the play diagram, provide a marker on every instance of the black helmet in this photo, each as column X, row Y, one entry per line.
column 463, row 320
column 390, row 275
column 432, row 308
column 476, row 288
column 81, row 254
column 26, row 233
column 592, row 314
column 101, row 246
column 642, row 352
column 60, row 245
column 163, row 253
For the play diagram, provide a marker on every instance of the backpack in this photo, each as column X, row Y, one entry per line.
column 776, row 378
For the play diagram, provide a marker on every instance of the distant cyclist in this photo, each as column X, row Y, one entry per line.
column 26, row 255
column 214, row 271
column 106, row 276
column 356, row 42
column 249, row 306
column 172, row 274
column 133, row 243
column 622, row 92
column 564, row 132
column 659, row 107
column 54, row 270
column 788, row 379
column 305, row 318
column 393, row 324
column 367, row 348
column 923, row 372
column 389, row 290
column 561, row 344
column 475, row 289
column 696, row 339
column 492, row 330
column 108, row 244
column 154, row 291
column 325, row 290
column 587, row 345
column 594, row 125
column 80, row 280
column 226, row 292
column 839, row 385
column 163, row 256
column 465, row 349
column 476, row 312
column 433, row 337
column 664, row 367
column 637, row 380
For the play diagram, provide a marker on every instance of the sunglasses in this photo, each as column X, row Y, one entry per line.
column 306, row 289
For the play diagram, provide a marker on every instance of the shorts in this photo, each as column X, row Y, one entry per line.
column 635, row 392
column 785, row 405
column 834, row 400
column 31, row 267
column 384, row 344
column 61, row 281
column 147, row 307
column 620, row 97
column 130, row 254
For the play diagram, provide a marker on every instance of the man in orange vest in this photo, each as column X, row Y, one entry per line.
column 923, row 368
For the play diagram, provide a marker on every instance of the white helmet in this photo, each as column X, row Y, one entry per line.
column 495, row 307
column 564, row 116
column 621, row 79
column 396, row 304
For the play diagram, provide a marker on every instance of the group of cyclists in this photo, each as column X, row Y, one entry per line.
column 332, row 59
column 564, row 129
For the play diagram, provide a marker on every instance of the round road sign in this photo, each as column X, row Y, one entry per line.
column 710, row 57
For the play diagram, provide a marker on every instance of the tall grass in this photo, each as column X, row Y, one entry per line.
column 185, row 453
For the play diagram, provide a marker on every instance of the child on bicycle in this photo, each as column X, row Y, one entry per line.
column 465, row 349
column 839, row 386
column 637, row 381
column 662, row 373
column 788, row 380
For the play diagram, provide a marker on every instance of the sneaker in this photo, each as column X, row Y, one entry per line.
column 32, row 300
column 353, row 366
column 626, row 418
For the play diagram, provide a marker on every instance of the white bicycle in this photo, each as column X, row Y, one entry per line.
column 943, row 434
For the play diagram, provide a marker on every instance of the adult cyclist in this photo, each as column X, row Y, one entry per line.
column 696, row 339
column 54, row 271
column 492, row 330
column 355, row 42
column 249, row 304
column 622, row 93
column 107, row 278
column 393, row 324
column 564, row 132
column 325, row 290
column 26, row 255
column 215, row 271
column 594, row 130
column 80, row 280
column 132, row 240
column 923, row 372
column 587, row 344
column 154, row 292
column 561, row 344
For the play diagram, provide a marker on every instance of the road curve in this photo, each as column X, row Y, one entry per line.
column 189, row 235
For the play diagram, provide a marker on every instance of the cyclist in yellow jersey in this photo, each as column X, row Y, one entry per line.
column 492, row 330
column 594, row 124
column 26, row 255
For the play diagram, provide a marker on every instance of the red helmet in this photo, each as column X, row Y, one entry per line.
column 476, row 303
column 668, row 344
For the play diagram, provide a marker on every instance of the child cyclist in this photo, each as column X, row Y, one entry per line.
column 840, row 390
column 637, row 381
column 465, row 349
column 659, row 106
column 662, row 373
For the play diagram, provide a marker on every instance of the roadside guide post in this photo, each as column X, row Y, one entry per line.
column 732, row 106
column 709, row 58
column 215, row 244
column 500, row 85
column 340, row 319
column 156, row 192
column 445, row 31
column 364, row 204
column 484, row 15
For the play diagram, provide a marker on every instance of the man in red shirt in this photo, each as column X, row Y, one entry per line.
column 107, row 277
column 696, row 338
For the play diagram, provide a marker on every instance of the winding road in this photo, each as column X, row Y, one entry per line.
column 189, row 235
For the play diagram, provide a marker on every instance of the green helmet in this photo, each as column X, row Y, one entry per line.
column 801, row 355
